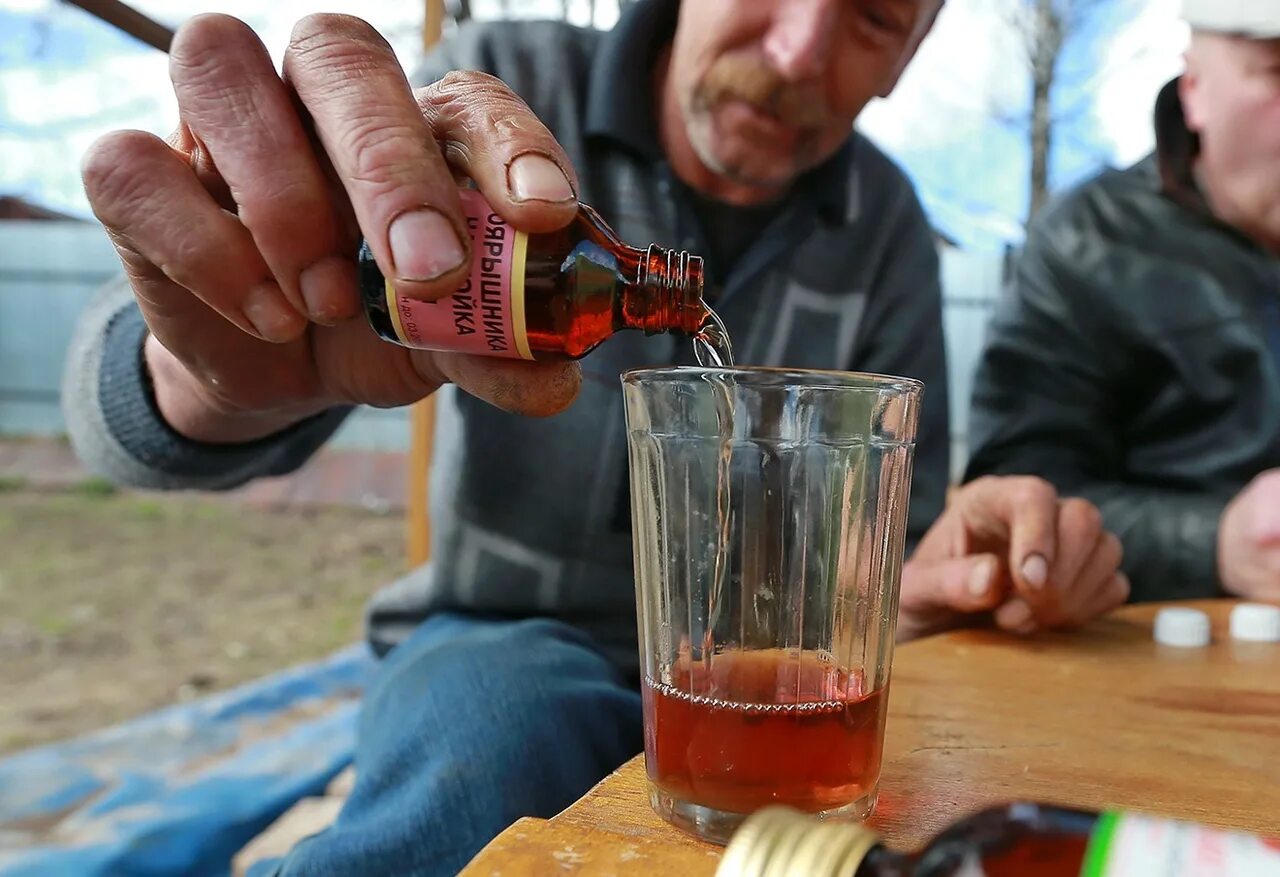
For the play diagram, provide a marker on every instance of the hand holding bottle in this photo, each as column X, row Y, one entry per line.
column 239, row 234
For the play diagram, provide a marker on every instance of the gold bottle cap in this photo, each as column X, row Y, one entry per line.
column 781, row 842
column 751, row 848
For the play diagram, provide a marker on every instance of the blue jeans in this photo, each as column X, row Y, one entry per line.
column 469, row 725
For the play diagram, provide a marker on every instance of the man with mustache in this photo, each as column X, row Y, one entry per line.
column 718, row 126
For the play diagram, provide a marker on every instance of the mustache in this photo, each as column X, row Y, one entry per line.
column 747, row 79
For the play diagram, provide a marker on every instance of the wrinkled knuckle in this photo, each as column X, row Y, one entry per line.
column 187, row 260
column 319, row 25
column 382, row 152
column 479, row 103
column 233, row 97
column 277, row 207
column 203, row 45
column 114, row 174
column 343, row 45
column 443, row 107
column 446, row 97
column 324, row 29
column 457, row 153
column 467, row 83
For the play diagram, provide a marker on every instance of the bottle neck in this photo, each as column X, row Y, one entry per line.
column 667, row 293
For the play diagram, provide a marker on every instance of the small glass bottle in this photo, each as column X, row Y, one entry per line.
column 1018, row 840
column 542, row 296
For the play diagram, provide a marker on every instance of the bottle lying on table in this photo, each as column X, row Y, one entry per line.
column 1020, row 840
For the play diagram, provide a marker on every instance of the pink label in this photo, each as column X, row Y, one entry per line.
column 486, row 315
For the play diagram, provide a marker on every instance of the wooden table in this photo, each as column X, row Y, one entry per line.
column 1101, row 717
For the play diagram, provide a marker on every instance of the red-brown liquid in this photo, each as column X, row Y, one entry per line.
column 764, row 727
column 581, row 286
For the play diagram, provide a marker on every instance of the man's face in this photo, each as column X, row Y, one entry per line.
column 1231, row 94
column 770, row 88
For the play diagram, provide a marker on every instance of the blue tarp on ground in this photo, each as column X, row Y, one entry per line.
column 182, row 790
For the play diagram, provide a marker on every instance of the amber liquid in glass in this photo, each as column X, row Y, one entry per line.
column 746, row 729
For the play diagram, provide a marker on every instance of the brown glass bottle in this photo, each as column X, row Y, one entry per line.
column 1018, row 840
column 542, row 296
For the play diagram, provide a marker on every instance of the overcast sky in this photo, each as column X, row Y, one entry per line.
column 65, row 78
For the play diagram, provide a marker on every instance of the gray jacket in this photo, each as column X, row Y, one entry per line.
column 531, row 517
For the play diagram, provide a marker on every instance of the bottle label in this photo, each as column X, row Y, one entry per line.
column 486, row 315
column 1134, row 845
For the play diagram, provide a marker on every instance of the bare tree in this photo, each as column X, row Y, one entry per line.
column 1047, row 30
column 1044, row 46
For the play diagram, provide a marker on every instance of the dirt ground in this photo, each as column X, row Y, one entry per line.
column 115, row 604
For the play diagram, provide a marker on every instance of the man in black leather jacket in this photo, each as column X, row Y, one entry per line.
column 1137, row 360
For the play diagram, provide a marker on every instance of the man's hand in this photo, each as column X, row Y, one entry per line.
column 1009, row 550
column 239, row 234
column 1249, row 540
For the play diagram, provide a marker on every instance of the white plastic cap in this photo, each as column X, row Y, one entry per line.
column 1185, row 628
column 1256, row 622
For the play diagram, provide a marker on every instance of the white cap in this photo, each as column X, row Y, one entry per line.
column 1259, row 19
column 1256, row 622
column 1187, row 628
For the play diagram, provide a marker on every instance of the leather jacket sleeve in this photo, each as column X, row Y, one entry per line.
column 1046, row 403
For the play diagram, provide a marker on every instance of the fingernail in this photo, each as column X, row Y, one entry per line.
column 328, row 288
column 267, row 311
column 1035, row 571
column 533, row 177
column 424, row 245
column 1015, row 615
column 980, row 578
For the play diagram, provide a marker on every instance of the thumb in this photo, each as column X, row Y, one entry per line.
column 538, row 389
column 976, row 583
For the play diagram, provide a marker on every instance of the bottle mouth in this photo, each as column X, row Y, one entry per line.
column 675, row 280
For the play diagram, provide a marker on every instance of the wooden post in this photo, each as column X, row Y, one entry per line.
column 432, row 23
column 422, row 429
column 422, row 417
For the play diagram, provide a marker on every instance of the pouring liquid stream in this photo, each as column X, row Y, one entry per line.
column 713, row 349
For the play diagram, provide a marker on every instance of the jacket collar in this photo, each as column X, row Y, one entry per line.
column 1177, row 148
